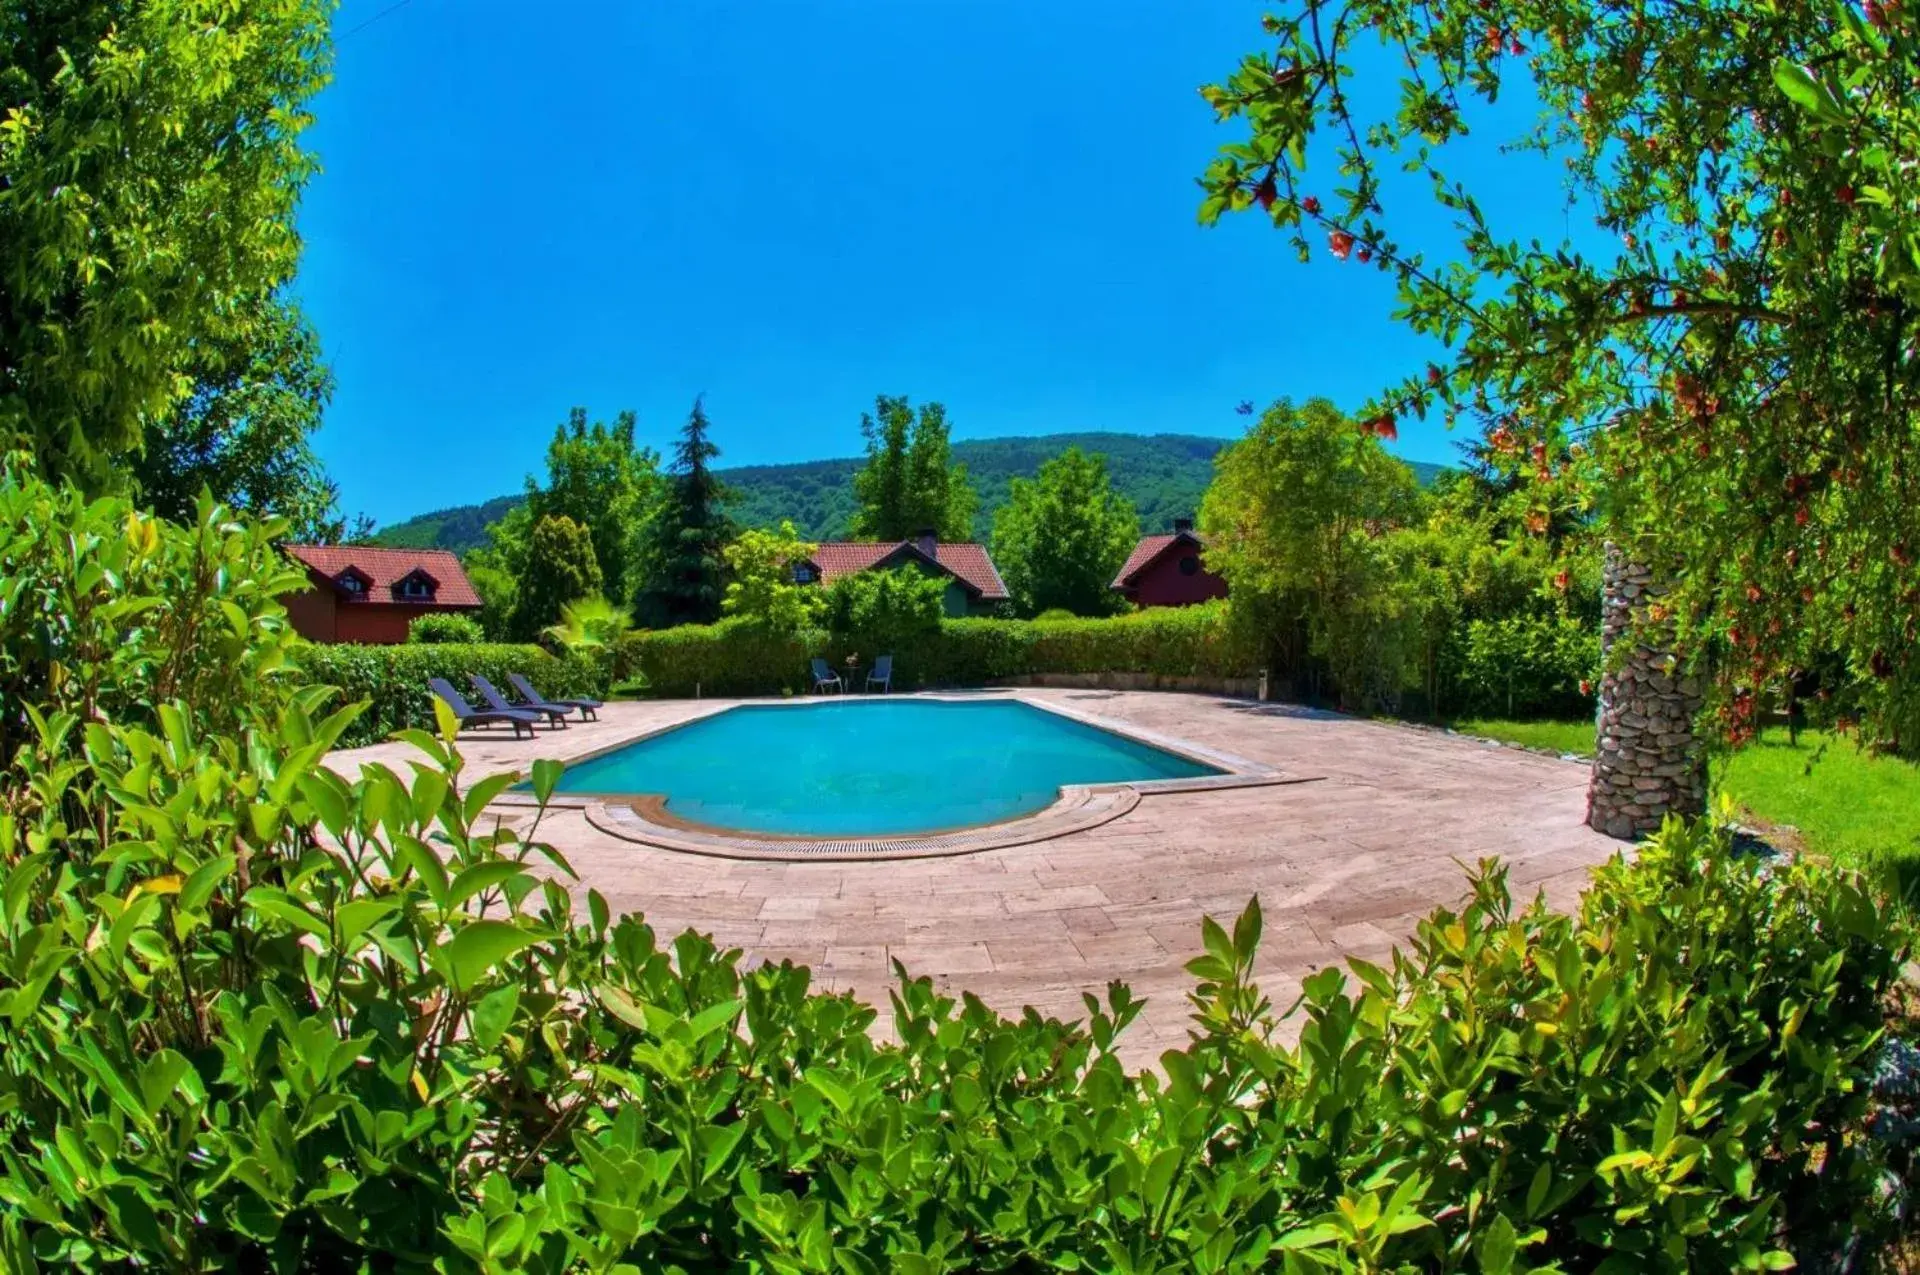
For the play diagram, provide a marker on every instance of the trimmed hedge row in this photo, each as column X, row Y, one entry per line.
column 739, row 658
column 393, row 679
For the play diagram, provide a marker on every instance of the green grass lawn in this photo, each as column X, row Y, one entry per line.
column 1560, row 737
column 1847, row 803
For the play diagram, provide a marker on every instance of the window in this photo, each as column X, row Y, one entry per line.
column 803, row 573
column 416, row 588
column 350, row 583
column 1189, row 566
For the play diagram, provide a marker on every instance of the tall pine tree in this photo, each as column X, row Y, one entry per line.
column 691, row 532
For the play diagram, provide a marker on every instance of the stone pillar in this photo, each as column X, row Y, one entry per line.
column 1646, row 762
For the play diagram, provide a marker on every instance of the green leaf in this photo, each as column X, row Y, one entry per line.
column 493, row 1014
column 280, row 906
column 355, row 918
column 1804, row 89
column 159, row 1077
column 481, row 877
column 713, row 1017
column 480, row 946
column 622, row 1006
column 1497, row 1247
column 546, row 777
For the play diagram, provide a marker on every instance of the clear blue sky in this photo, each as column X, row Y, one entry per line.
column 794, row 205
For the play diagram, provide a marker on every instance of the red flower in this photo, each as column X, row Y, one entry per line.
column 1562, row 581
column 1586, row 687
column 1264, row 193
column 1312, row 205
column 1383, row 426
column 1876, row 13
column 1434, row 375
column 1341, row 243
column 1516, row 48
column 1846, row 196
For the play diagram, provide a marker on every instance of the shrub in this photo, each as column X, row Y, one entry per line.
column 106, row 611
column 445, row 626
column 733, row 657
column 1053, row 614
column 1171, row 641
column 393, row 679
column 736, row 658
column 1524, row 666
column 871, row 612
column 429, row 1059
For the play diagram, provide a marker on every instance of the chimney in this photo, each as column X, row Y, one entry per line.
column 1183, row 526
column 927, row 541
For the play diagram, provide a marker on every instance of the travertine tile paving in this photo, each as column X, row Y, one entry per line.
column 1343, row 866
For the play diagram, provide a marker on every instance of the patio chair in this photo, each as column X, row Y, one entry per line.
column 881, row 674
column 518, row 718
column 589, row 708
column 825, row 678
column 496, row 701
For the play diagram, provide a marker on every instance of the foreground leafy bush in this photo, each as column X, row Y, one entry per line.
column 105, row 611
column 260, row 1016
column 392, row 680
column 445, row 626
column 234, row 1046
column 735, row 657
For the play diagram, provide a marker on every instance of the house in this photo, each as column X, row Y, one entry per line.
column 372, row 596
column 974, row 586
column 1166, row 571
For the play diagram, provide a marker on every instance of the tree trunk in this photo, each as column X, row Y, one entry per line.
column 1647, row 763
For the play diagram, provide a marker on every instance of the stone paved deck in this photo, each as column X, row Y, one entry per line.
column 1343, row 866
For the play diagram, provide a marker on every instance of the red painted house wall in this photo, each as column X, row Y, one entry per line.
column 1160, row 583
column 310, row 611
column 374, row 623
column 320, row 616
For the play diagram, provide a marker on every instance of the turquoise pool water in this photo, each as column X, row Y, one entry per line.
column 871, row 767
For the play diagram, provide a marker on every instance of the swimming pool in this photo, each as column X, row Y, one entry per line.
column 871, row 767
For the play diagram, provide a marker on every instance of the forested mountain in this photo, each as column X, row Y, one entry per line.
column 1162, row 474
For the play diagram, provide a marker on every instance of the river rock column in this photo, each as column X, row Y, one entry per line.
column 1647, row 763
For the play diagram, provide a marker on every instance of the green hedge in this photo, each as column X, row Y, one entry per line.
column 1523, row 666
column 739, row 658
column 394, row 678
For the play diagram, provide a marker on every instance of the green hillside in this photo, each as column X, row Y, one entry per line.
column 1163, row 474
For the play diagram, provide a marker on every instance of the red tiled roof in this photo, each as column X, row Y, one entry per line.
column 385, row 568
column 965, row 561
column 1149, row 548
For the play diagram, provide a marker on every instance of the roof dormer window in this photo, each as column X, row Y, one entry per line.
column 804, row 573
column 415, row 588
column 352, row 582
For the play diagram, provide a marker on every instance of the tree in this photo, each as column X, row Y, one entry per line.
column 151, row 163
column 600, row 479
column 1062, row 536
column 242, row 432
column 1740, row 369
column 874, row 613
column 1296, row 523
column 761, row 587
column 560, row 569
column 687, row 574
column 910, row 483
